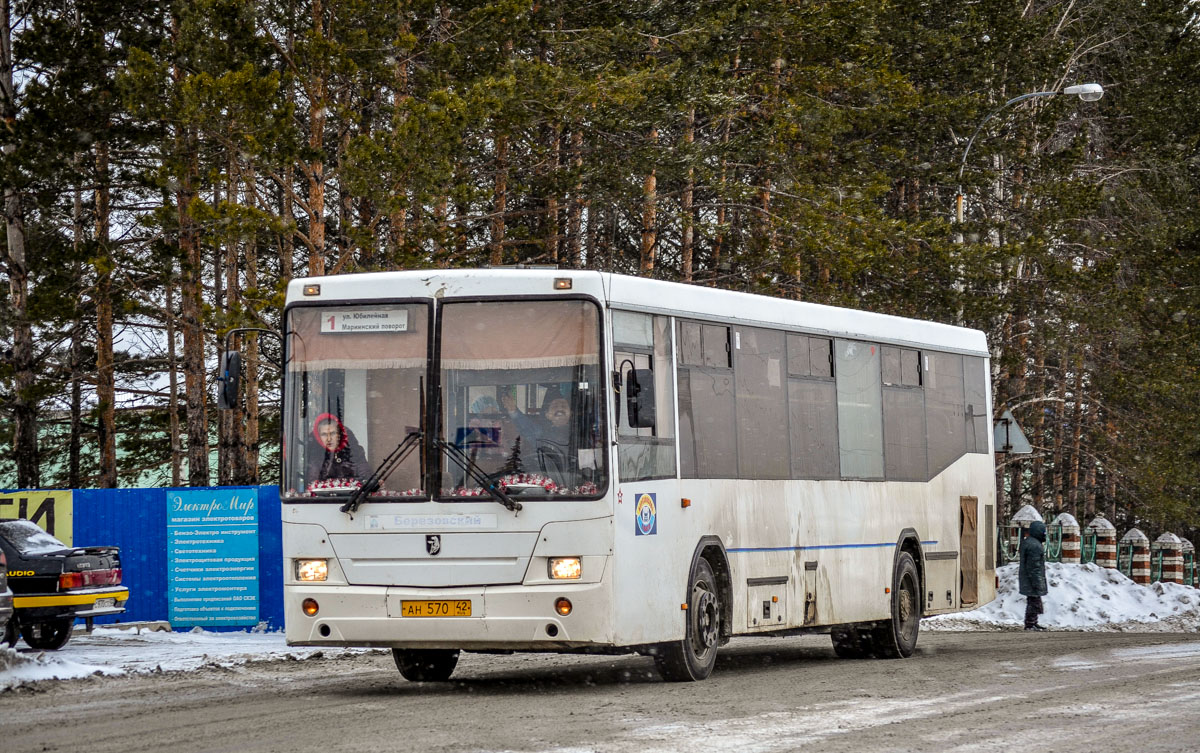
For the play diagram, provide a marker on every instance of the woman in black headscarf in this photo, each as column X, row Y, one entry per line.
column 333, row 452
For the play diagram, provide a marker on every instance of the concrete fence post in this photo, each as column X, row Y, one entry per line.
column 1138, row 546
column 1070, row 537
column 1106, row 542
column 1171, row 547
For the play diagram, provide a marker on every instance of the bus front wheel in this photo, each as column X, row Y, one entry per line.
column 897, row 638
column 425, row 664
column 694, row 657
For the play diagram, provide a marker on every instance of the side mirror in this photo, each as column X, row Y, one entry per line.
column 639, row 398
column 227, row 382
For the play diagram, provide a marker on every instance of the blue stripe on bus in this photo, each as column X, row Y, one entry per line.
column 822, row 546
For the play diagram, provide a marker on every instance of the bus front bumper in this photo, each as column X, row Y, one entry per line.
column 514, row 617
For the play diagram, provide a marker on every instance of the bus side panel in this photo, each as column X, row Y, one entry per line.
column 654, row 542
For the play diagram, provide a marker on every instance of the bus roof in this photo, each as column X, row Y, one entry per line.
column 651, row 296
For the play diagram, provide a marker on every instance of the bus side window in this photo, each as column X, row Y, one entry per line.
column 812, row 408
column 708, row 445
column 945, row 409
column 643, row 342
column 904, row 439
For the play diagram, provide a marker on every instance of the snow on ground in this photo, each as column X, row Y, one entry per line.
column 1082, row 597
column 111, row 650
column 1085, row 597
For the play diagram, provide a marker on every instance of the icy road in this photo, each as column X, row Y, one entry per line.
column 981, row 691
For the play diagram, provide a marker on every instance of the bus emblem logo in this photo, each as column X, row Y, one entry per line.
column 433, row 544
column 646, row 515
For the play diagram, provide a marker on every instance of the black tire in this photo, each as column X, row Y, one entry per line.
column 694, row 657
column 49, row 635
column 850, row 643
column 425, row 664
column 11, row 634
column 897, row 637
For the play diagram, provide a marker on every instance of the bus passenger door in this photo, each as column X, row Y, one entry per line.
column 647, row 504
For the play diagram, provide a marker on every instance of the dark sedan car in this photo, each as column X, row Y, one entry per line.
column 8, row 626
column 53, row 584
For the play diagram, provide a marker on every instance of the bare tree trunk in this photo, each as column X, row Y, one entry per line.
column 74, row 450
column 685, row 203
column 287, row 248
column 24, row 407
column 106, row 392
column 649, row 250
column 250, row 464
column 222, row 311
column 592, row 235
column 1038, row 433
column 237, row 445
column 575, row 208
column 499, row 200
column 1056, row 483
column 397, row 216
column 723, row 181
column 173, row 383
column 441, row 215
column 1076, row 437
column 553, row 237
column 315, row 169
column 191, row 314
column 347, row 250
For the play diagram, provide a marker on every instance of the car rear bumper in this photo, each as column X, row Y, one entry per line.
column 92, row 602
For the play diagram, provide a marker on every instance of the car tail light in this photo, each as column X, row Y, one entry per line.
column 103, row 577
column 67, row 581
column 89, row 578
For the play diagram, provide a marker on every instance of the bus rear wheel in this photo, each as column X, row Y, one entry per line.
column 425, row 664
column 694, row 657
column 897, row 638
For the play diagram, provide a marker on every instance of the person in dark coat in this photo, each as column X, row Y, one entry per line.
column 1031, row 575
column 334, row 453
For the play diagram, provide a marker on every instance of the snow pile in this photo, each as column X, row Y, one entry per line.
column 111, row 650
column 1085, row 597
column 18, row 668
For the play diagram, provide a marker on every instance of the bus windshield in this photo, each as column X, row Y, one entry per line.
column 520, row 397
column 355, row 375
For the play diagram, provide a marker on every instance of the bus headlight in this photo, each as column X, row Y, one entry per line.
column 312, row 570
column 566, row 568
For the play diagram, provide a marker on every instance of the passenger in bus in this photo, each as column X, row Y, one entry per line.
column 526, row 425
column 553, row 438
column 1031, row 574
column 335, row 454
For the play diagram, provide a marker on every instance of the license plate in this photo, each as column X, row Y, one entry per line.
column 105, row 603
column 448, row 608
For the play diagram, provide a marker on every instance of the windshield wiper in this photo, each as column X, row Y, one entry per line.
column 476, row 474
column 395, row 458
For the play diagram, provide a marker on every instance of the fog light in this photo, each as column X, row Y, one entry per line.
column 310, row 607
column 562, row 605
column 312, row 570
column 565, row 568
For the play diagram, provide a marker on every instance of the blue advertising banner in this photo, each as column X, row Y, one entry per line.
column 212, row 557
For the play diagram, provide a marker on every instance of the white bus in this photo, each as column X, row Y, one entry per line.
column 548, row 460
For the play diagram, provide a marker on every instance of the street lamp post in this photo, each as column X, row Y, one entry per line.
column 1086, row 92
